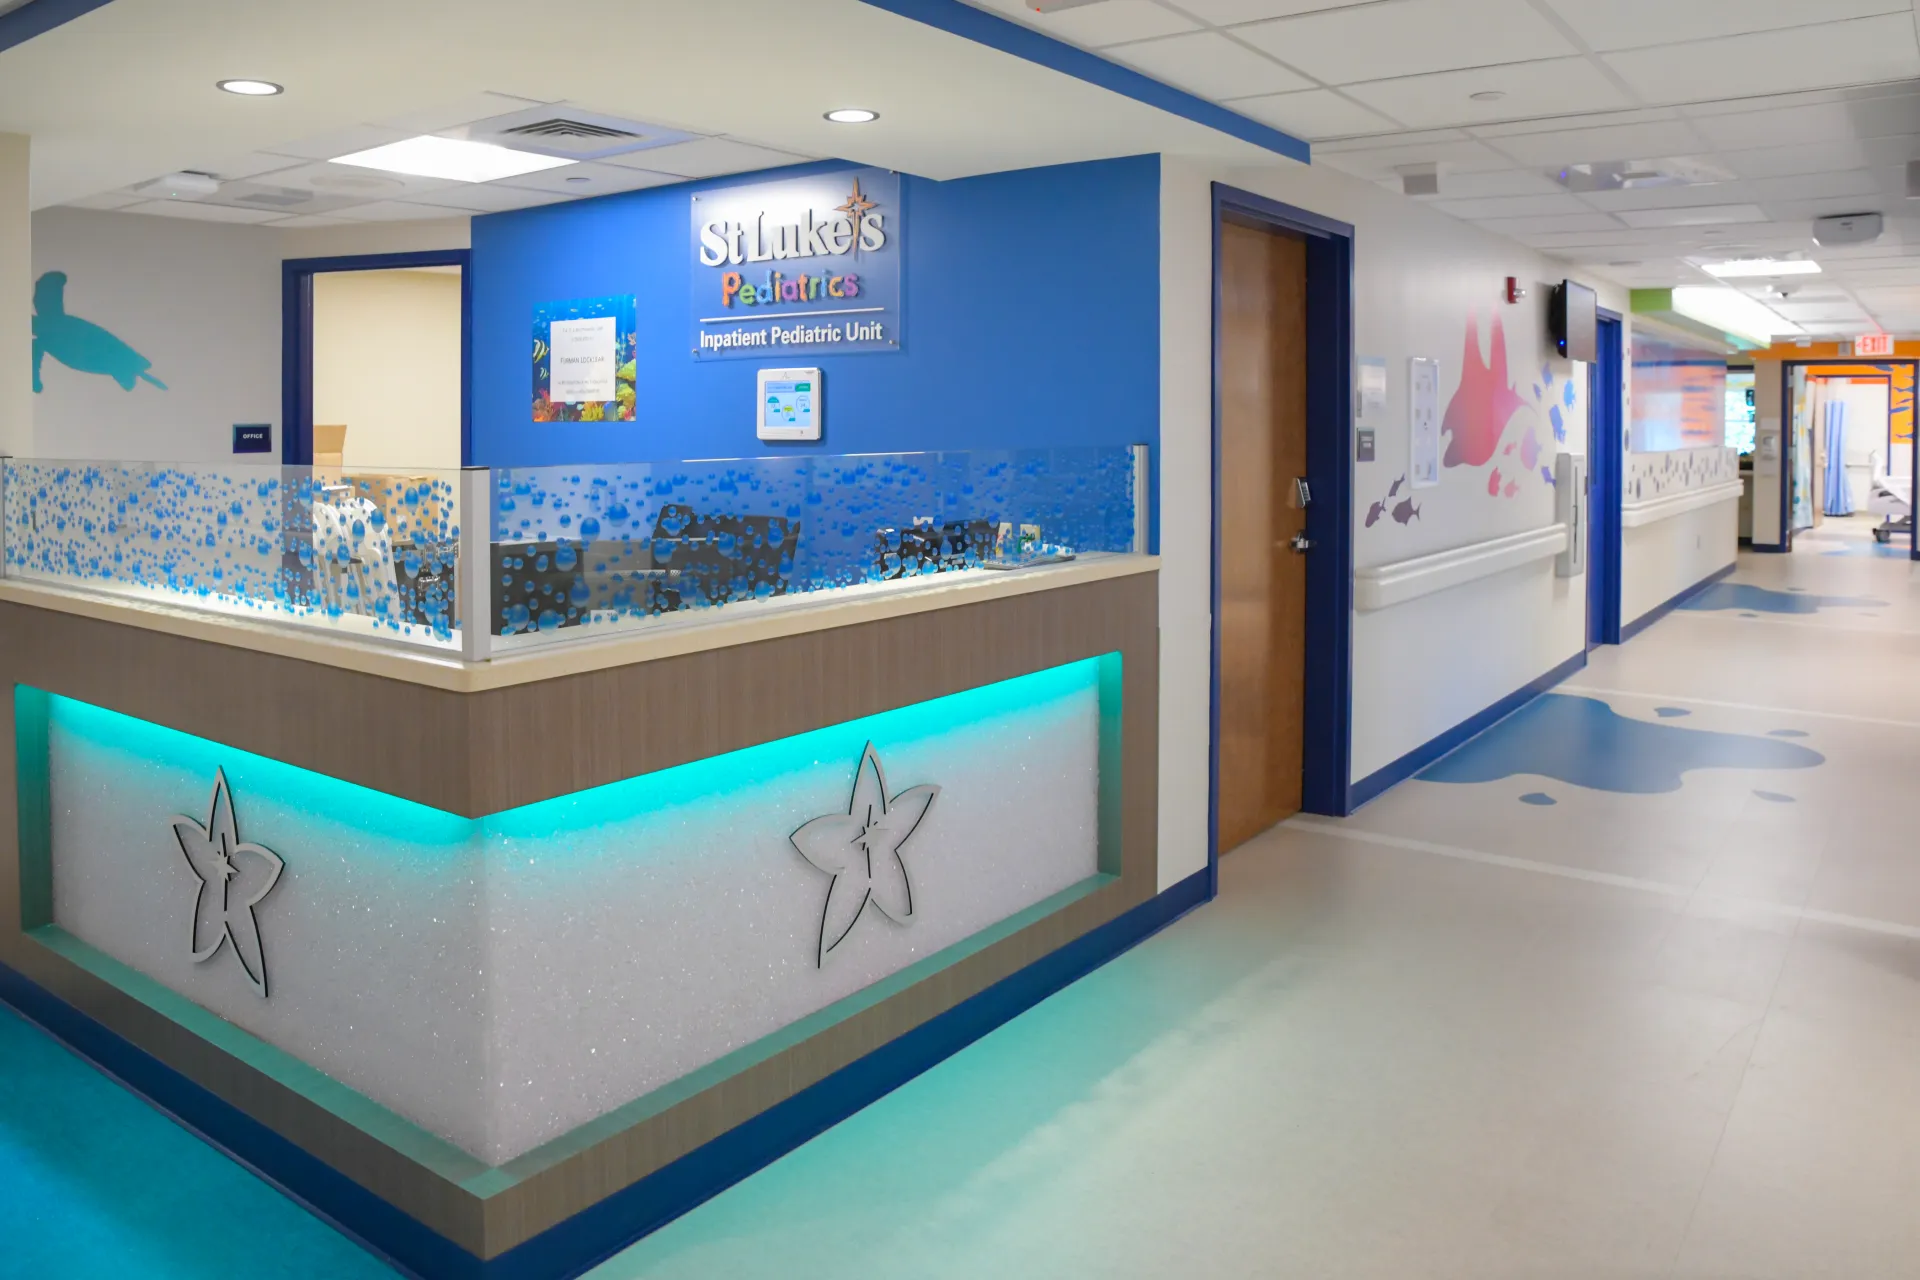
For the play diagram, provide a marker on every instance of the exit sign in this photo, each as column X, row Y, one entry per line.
column 1873, row 344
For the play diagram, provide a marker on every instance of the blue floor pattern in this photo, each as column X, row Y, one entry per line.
column 95, row 1184
column 1585, row 742
column 1744, row 595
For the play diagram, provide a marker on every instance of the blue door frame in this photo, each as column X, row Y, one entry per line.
column 1606, row 459
column 1327, row 721
column 1786, row 439
column 296, row 341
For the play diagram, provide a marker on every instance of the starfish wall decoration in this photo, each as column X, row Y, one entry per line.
column 861, row 850
column 234, row 877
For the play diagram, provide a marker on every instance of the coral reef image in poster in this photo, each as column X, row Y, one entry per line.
column 1679, row 396
column 576, row 318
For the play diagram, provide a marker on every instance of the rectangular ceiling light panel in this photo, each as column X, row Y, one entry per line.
column 452, row 159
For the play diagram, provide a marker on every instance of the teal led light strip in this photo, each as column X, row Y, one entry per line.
column 374, row 812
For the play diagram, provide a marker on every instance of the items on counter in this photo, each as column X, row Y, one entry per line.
column 691, row 560
column 960, row 544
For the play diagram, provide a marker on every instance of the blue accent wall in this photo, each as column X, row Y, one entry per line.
column 1031, row 306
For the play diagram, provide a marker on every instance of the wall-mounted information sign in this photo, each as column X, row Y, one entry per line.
column 801, row 266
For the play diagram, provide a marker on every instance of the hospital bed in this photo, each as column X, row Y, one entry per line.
column 1892, row 501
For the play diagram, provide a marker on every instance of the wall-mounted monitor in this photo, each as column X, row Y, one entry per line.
column 1572, row 321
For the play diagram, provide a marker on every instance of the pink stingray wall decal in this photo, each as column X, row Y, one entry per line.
column 1478, row 414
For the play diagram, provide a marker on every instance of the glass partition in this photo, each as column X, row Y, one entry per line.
column 366, row 552
column 553, row 553
column 602, row 547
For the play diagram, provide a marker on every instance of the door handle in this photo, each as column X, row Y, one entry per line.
column 1301, row 543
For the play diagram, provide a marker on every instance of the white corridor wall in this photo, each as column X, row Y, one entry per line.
column 1424, row 285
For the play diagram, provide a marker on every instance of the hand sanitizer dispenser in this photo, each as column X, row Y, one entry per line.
column 1570, row 509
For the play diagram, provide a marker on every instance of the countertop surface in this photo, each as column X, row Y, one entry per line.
column 547, row 659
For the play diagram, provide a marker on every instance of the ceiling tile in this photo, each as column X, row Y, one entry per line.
column 1706, row 193
column 1511, row 182
column 202, row 212
column 1408, row 138
column 352, row 180
column 598, row 179
column 1313, row 114
column 250, row 164
column 1816, row 311
column 1581, row 146
column 1711, row 215
column 1551, row 223
column 1813, row 186
column 1510, row 207
column 1409, row 37
column 465, row 110
column 1798, row 160
column 1629, row 24
column 1094, row 25
column 342, row 142
column 489, row 197
column 1884, row 115
column 1209, row 64
column 304, row 220
column 706, row 158
column 1884, row 276
column 1813, row 124
column 106, row 200
column 1559, row 85
column 1587, row 120
column 393, row 211
column 1223, row 13
column 1384, row 162
column 1861, row 51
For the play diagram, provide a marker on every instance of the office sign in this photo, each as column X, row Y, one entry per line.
column 800, row 266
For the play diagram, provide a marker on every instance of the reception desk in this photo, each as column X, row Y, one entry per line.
column 501, row 963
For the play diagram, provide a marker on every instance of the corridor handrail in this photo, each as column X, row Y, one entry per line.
column 1635, row 514
column 1382, row 586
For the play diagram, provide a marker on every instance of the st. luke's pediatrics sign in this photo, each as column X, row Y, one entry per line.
column 802, row 266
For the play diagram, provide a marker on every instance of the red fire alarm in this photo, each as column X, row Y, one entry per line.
column 1514, row 291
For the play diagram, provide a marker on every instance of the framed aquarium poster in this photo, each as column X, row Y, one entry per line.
column 583, row 361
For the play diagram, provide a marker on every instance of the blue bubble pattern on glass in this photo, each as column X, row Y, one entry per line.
column 779, row 526
column 283, row 542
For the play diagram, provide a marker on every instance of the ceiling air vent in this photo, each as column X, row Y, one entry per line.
column 570, row 134
column 561, row 127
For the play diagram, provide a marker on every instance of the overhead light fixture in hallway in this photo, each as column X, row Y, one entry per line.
column 251, row 88
column 853, row 115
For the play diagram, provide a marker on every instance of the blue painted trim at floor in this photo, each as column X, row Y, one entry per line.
column 1660, row 611
column 37, row 17
column 601, row 1231
column 1008, row 36
column 1426, row 753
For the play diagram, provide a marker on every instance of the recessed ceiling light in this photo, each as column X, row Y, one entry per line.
column 250, row 88
column 853, row 115
column 579, row 177
column 1759, row 268
column 454, row 159
column 1488, row 95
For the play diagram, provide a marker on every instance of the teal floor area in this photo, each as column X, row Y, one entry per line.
column 97, row 1185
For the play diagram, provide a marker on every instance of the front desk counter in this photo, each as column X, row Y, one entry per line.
column 501, row 964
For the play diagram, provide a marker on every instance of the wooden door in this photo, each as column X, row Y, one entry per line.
column 1263, row 578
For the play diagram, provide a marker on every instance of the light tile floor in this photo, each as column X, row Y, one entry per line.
column 1455, row 1036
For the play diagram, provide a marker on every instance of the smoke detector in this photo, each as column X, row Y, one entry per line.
column 1847, row 228
column 187, row 185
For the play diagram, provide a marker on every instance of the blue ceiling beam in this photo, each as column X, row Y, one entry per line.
column 1007, row 36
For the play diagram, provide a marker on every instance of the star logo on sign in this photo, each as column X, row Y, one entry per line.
column 861, row 850
column 234, row 877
